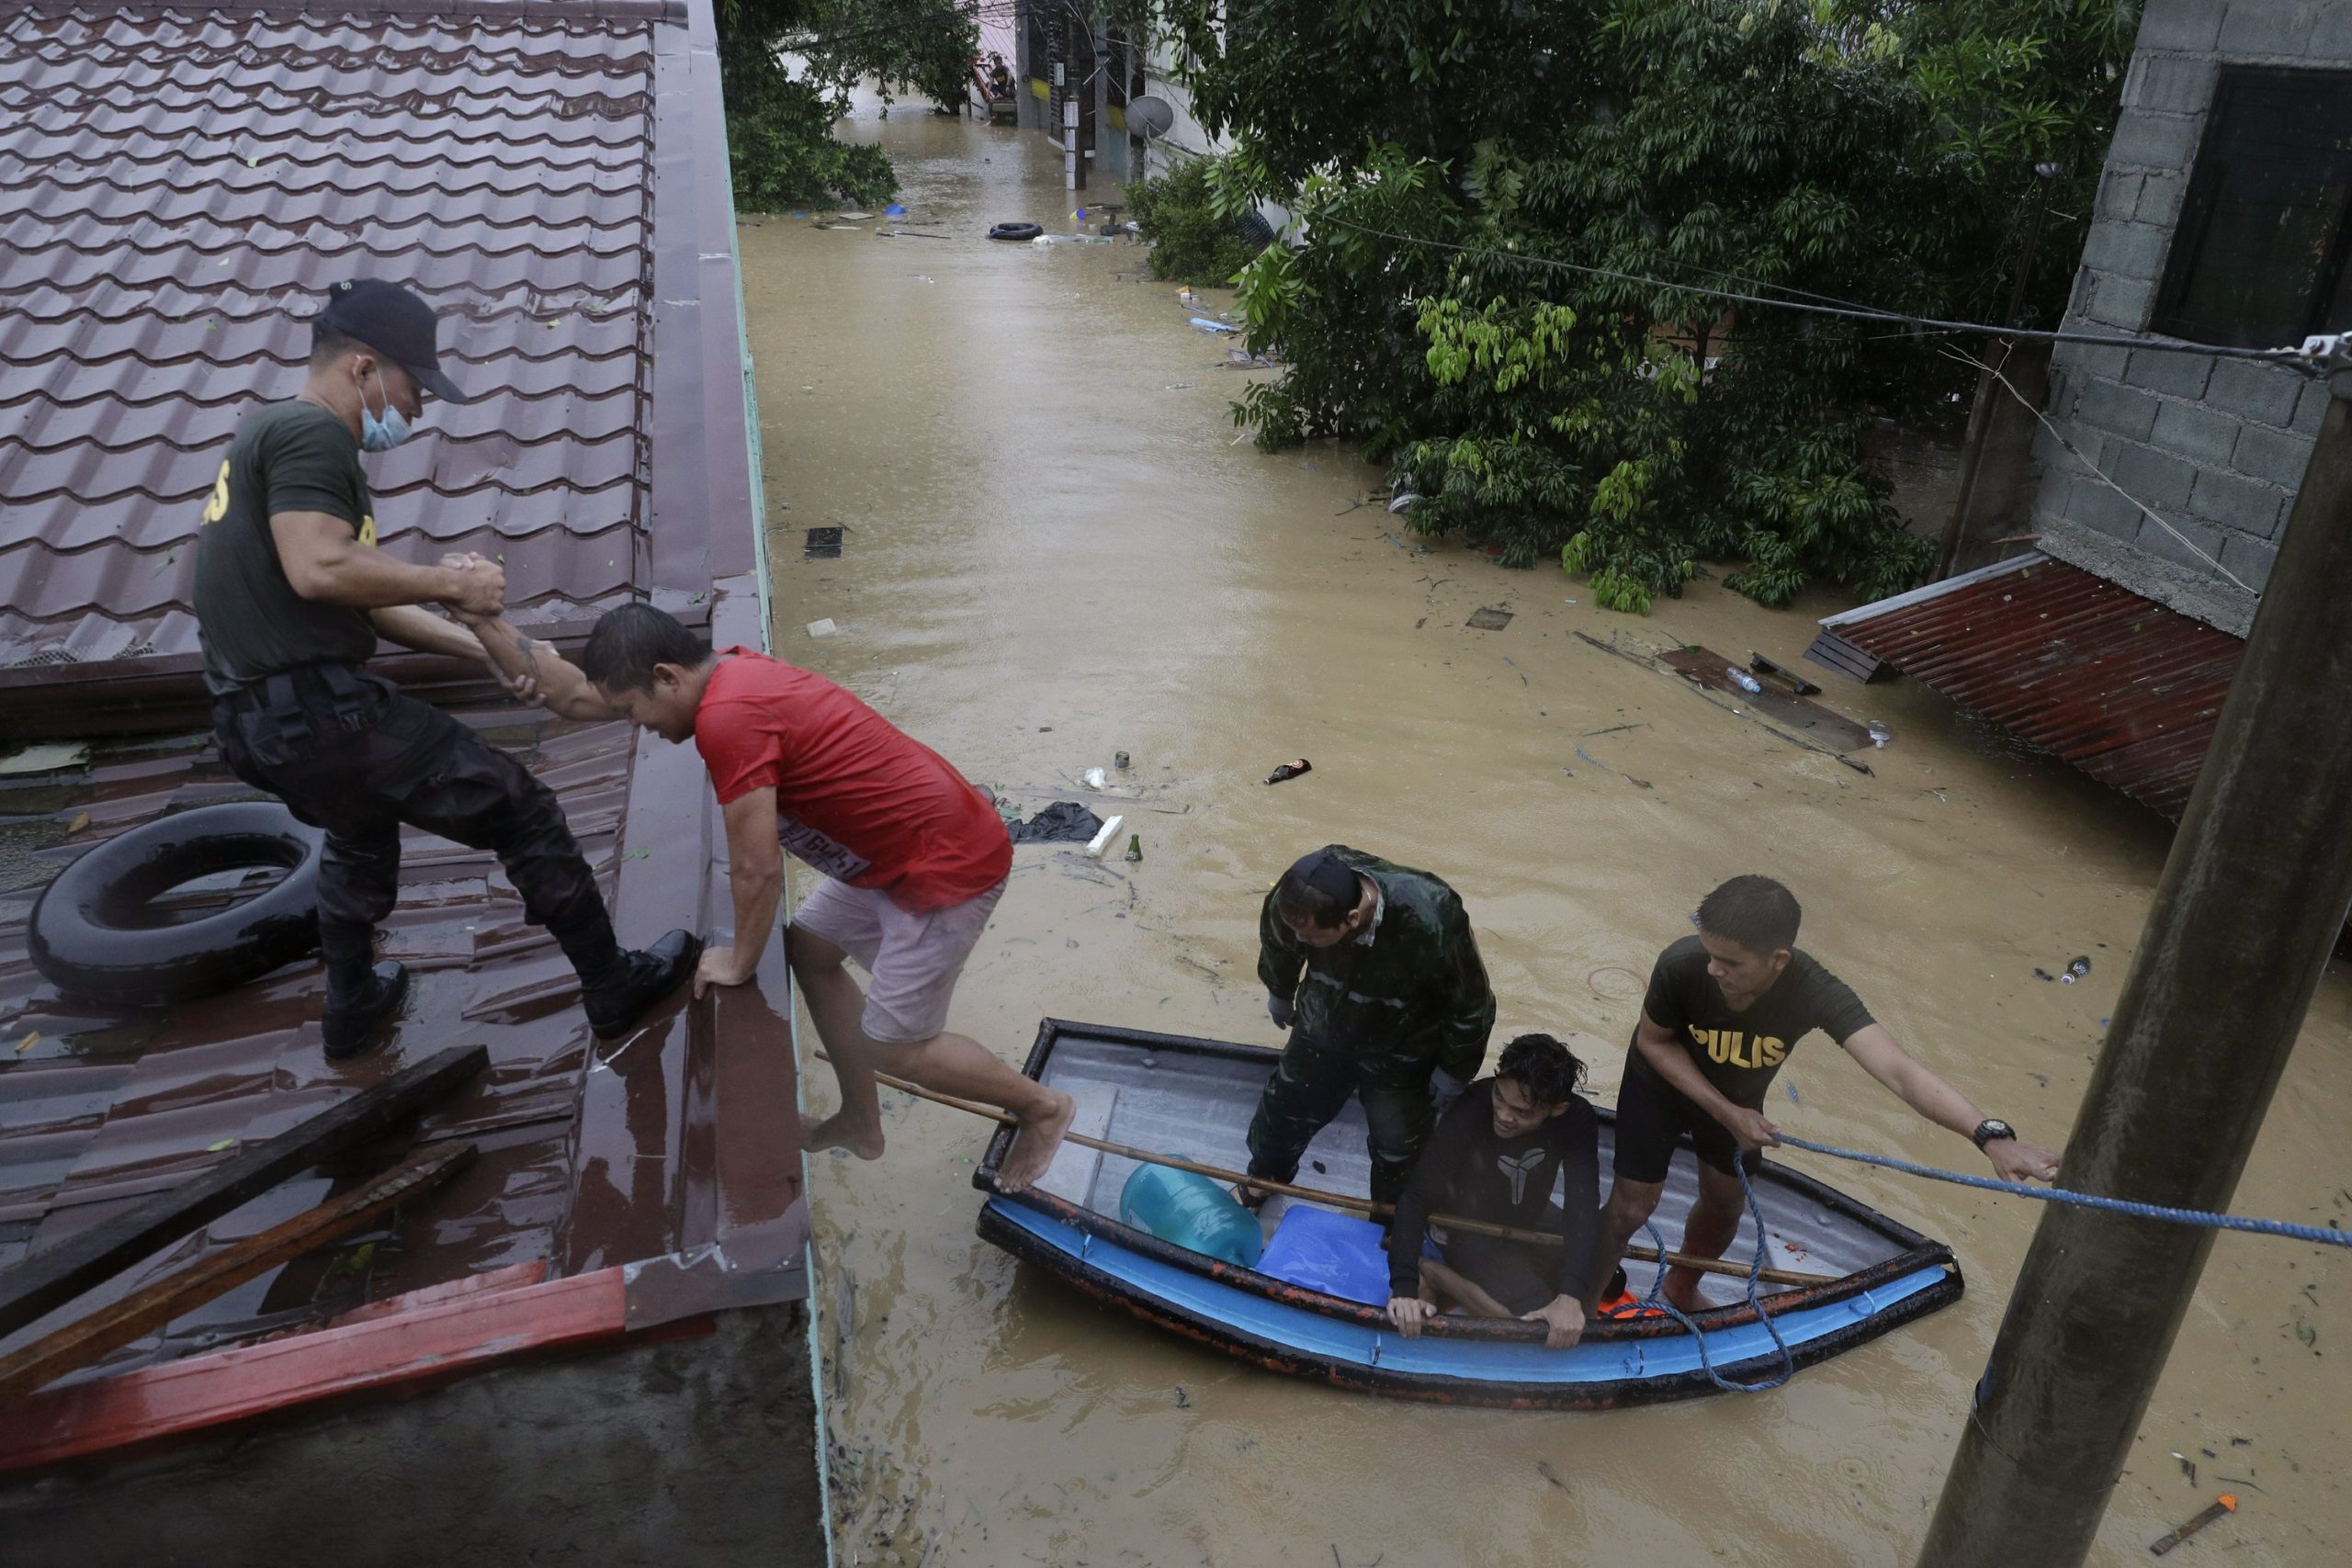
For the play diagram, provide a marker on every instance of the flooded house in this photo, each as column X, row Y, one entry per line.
column 2104, row 593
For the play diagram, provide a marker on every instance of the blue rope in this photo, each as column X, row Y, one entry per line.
column 1657, row 1298
column 2320, row 1235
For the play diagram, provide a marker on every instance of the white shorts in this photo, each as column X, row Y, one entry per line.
column 913, row 959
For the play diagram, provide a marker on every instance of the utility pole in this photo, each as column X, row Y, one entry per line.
column 2253, row 896
column 1090, row 84
column 1072, row 169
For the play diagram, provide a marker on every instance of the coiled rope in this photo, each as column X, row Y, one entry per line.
column 1656, row 1300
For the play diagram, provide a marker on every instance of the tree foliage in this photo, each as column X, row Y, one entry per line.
column 1193, row 238
column 780, row 121
column 1511, row 206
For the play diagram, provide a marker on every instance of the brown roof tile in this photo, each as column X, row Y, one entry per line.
column 176, row 191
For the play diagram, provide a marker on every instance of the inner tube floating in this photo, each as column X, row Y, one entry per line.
column 1014, row 232
column 96, row 931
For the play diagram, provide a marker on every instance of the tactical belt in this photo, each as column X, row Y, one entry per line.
column 278, row 697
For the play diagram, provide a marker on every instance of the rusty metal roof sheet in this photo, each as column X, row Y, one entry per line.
column 177, row 189
column 2123, row 688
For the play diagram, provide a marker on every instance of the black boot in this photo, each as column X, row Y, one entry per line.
column 619, row 999
column 351, row 1026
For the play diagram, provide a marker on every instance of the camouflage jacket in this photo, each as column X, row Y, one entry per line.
column 1409, row 995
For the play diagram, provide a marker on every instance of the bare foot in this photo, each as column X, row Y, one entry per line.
column 1681, row 1290
column 819, row 1134
column 1034, row 1147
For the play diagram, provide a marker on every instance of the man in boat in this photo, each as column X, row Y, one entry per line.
column 1495, row 1157
column 913, row 858
column 1724, row 1009
column 1373, row 970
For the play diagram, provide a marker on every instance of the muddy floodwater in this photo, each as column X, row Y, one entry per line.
column 1054, row 549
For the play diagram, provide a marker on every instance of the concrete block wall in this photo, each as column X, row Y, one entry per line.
column 2215, row 449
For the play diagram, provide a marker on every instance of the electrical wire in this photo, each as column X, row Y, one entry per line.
column 2097, row 472
column 2286, row 357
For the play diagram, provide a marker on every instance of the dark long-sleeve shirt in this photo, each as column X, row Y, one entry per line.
column 1465, row 1169
column 1409, row 995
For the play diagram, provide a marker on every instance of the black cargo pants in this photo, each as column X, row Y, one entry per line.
column 1311, row 1082
column 350, row 754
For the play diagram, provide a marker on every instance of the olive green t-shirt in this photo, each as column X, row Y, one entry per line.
column 286, row 457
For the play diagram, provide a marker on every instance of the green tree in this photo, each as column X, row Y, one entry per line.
column 1193, row 238
column 779, row 123
column 1511, row 207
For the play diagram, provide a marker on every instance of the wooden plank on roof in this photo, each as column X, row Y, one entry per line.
column 116, row 1324
column 46, row 1280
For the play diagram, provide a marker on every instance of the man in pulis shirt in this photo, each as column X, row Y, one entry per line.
column 1724, row 1009
column 1496, row 1157
column 1373, row 970
column 292, row 594
column 913, row 858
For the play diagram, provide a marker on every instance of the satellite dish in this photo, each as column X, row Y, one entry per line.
column 1150, row 116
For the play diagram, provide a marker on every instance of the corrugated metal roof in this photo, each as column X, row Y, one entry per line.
column 2122, row 687
column 176, row 191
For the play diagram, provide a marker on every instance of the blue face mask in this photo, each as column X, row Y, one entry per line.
column 381, row 434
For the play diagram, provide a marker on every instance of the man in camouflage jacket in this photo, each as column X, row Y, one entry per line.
column 1373, row 970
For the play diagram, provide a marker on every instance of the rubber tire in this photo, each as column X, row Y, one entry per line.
column 85, row 936
column 1015, row 231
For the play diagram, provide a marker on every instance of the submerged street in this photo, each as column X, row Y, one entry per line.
column 1054, row 549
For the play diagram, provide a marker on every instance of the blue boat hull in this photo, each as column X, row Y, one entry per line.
column 1600, row 1373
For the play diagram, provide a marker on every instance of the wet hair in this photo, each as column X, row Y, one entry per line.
column 627, row 643
column 1546, row 1069
column 327, row 344
column 1754, row 911
column 1317, row 891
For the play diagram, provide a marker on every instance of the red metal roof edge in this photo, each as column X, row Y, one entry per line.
column 699, row 524
column 432, row 1339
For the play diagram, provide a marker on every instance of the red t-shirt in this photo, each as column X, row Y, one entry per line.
column 855, row 797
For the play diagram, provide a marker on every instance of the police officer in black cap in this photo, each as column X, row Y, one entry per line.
column 292, row 595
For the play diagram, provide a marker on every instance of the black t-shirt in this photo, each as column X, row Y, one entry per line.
column 286, row 457
column 1740, row 1052
column 1465, row 1169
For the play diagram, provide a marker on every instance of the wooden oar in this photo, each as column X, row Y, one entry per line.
column 1339, row 1200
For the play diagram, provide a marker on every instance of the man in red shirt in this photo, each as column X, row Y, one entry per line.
column 913, row 858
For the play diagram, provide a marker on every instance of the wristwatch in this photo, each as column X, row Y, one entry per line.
column 1991, row 1130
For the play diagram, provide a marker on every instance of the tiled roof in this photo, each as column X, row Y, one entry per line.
column 2125, row 689
column 552, row 173
column 176, row 191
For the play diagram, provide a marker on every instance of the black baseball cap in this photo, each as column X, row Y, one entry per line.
column 393, row 321
column 1328, row 875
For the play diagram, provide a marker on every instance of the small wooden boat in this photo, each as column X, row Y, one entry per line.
column 1191, row 1099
